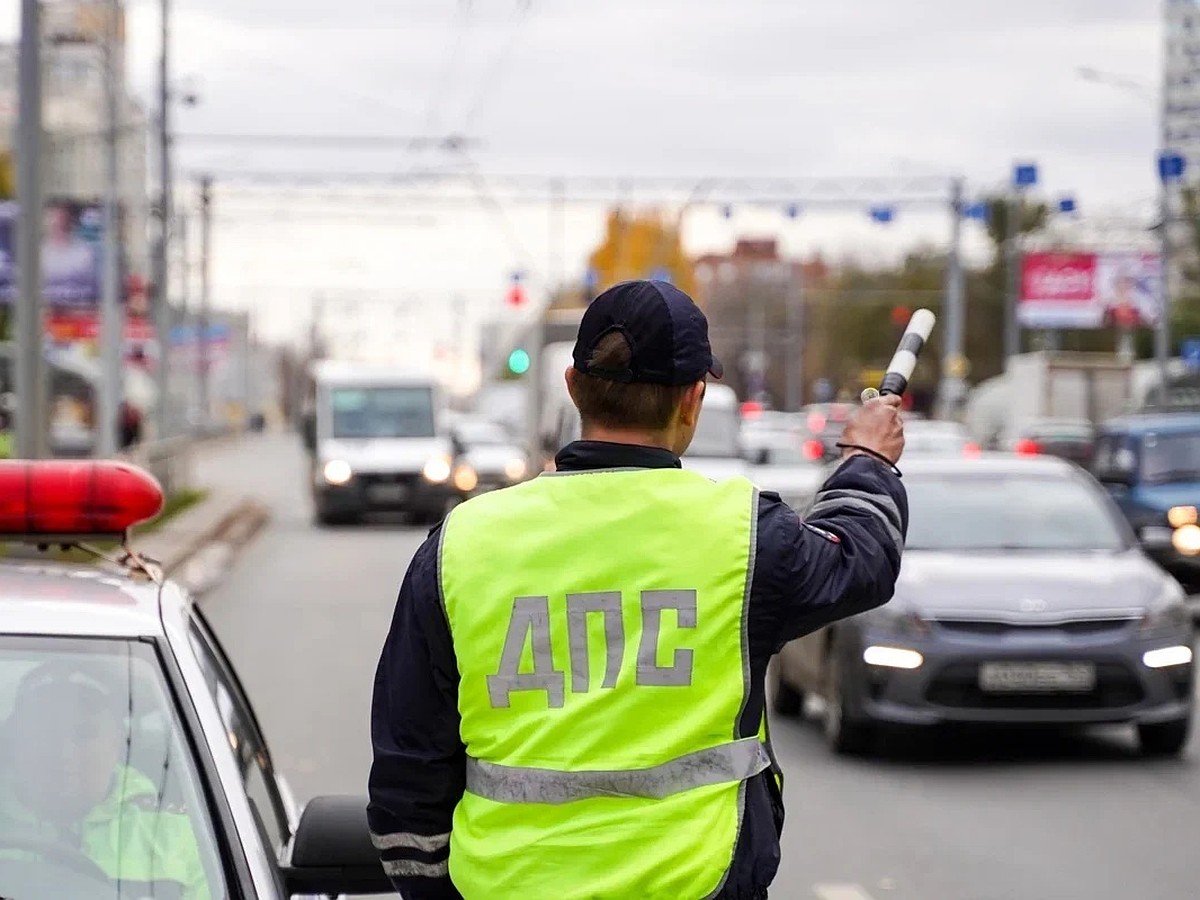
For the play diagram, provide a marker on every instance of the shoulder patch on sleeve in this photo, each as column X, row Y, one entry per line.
column 821, row 532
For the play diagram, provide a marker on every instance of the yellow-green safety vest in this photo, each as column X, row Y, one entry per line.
column 599, row 622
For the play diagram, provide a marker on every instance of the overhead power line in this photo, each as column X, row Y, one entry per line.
column 451, row 143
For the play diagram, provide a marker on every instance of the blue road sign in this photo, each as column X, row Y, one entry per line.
column 976, row 211
column 661, row 274
column 883, row 214
column 1171, row 166
column 1067, row 205
column 792, row 210
column 1025, row 175
column 591, row 278
column 1190, row 351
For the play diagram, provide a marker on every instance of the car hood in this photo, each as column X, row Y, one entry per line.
column 1027, row 586
column 385, row 454
column 718, row 468
column 1161, row 497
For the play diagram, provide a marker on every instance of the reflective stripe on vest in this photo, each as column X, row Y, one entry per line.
column 735, row 761
column 599, row 623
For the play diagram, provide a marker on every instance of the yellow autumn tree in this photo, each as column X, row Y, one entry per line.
column 642, row 245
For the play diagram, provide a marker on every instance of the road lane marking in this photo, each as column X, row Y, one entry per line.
column 840, row 892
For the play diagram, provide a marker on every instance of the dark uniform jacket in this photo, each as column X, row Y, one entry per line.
column 841, row 561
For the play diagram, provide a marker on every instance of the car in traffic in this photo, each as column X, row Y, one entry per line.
column 486, row 456
column 121, row 713
column 1023, row 599
column 1150, row 463
column 934, row 437
column 716, row 450
column 378, row 439
column 1073, row 439
column 824, row 424
column 788, row 467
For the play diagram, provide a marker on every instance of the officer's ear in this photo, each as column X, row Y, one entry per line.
column 689, row 407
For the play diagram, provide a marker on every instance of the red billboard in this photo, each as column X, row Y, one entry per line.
column 1090, row 290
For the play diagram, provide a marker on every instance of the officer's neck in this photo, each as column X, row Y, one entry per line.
column 660, row 439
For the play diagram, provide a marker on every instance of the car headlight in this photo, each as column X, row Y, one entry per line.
column 1180, row 516
column 465, row 478
column 905, row 623
column 1168, row 614
column 337, row 471
column 1186, row 540
column 438, row 469
column 515, row 469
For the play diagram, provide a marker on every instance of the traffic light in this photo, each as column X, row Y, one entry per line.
column 518, row 361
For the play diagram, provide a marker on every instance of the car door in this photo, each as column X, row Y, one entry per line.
column 269, row 797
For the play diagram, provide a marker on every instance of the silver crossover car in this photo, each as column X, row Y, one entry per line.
column 1023, row 599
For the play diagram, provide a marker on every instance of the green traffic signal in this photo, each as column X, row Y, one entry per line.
column 518, row 362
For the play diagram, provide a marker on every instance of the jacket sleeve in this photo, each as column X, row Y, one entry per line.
column 841, row 560
column 419, row 766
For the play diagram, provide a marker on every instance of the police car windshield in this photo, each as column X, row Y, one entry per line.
column 97, row 780
column 1171, row 458
column 382, row 412
column 1008, row 512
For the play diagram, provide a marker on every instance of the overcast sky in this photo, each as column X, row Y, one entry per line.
column 791, row 88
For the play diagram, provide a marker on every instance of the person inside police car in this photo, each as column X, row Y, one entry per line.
column 570, row 701
column 67, row 785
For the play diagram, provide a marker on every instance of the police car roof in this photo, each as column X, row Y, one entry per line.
column 986, row 464
column 83, row 601
column 1158, row 422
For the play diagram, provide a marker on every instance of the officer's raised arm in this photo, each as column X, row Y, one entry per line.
column 844, row 557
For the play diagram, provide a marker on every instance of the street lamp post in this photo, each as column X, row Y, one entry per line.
column 1171, row 166
column 1025, row 176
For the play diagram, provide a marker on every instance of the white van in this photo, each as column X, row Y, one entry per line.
column 379, row 440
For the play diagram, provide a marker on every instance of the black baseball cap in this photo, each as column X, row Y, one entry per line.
column 666, row 331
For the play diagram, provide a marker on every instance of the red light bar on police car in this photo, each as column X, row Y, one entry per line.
column 70, row 499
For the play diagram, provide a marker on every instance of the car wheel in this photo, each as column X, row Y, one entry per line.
column 1164, row 738
column 844, row 735
column 785, row 699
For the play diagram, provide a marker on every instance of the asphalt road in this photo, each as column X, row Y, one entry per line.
column 958, row 817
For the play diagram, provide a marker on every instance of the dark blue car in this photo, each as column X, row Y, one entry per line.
column 1150, row 463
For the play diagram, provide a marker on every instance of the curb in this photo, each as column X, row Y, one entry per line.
column 235, row 522
column 208, row 560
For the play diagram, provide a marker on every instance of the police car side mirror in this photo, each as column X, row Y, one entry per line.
column 332, row 853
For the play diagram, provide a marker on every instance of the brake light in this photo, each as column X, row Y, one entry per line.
column 972, row 450
column 56, row 499
column 816, row 423
column 752, row 409
column 813, row 450
column 1028, row 447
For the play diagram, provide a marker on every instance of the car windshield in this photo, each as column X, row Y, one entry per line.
column 1008, row 512
column 99, row 793
column 383, row 412
column 716, row 434
column 1169, row 458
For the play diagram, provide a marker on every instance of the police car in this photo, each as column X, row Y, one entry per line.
column 134, row 764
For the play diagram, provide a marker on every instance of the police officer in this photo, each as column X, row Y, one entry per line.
column 65, row 792
column 570, row 702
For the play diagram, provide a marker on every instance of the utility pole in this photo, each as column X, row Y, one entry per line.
column 31, row 385
column 953, row 356
column 202, row 328
column 111, row 389
column 162, row 293
column 1012, row 228
column 186, row 379
column 794, row 352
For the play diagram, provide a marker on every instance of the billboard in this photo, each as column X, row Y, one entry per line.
column 71, row 254
column 1090, row 290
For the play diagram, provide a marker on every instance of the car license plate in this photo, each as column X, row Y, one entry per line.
column 387, row 493
column 1028, row 678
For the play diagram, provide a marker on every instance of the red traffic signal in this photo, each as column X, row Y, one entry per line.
column 516, row 296
column 900, row 316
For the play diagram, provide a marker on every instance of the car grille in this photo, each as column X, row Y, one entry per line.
column 370, row 479
column 957, row 686
column 984, row 628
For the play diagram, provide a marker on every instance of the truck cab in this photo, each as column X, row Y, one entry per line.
column 379, row 440
column 1150, row 464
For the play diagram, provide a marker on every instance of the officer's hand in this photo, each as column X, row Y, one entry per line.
column 877, row 426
